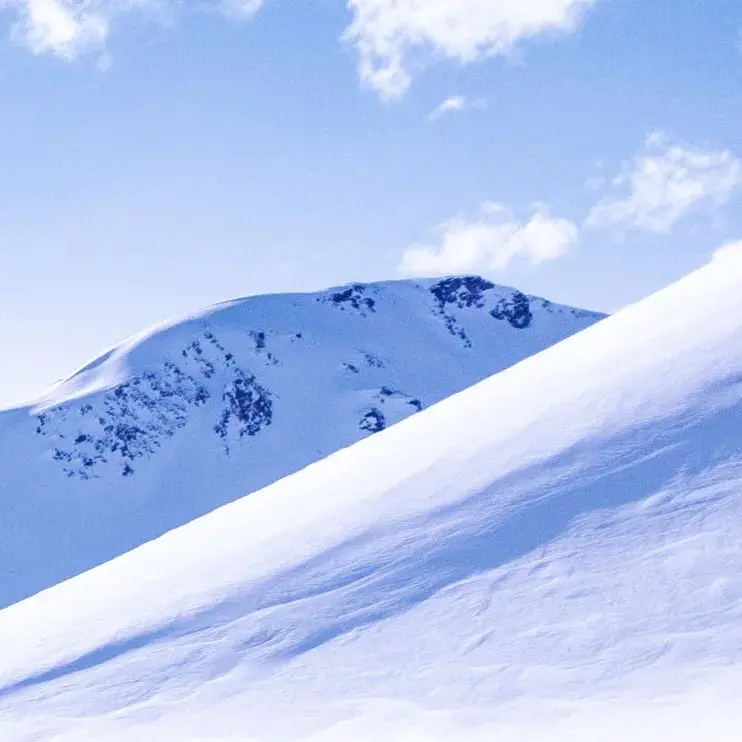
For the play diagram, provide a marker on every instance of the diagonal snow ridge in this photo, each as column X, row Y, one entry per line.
column 550, row 554
column 198, row 412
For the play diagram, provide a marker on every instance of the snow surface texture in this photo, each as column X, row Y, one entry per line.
column 191, row 416
column 553, row 554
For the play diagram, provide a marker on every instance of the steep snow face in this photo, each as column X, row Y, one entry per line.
column 190, row 416
column 551, row 554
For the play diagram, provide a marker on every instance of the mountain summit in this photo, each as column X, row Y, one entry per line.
column 555, row 546
column 192, row 415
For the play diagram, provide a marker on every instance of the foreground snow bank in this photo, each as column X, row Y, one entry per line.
column 552, row 553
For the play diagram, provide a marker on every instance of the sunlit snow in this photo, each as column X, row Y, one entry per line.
column 553, row 554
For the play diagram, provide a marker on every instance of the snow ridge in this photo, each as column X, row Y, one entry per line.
column 135, row 418
column 562, row 537
column 191, row 415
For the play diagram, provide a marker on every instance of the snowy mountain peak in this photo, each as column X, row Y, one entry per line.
column 227, row 359
column 194, row 413
column 561, row 539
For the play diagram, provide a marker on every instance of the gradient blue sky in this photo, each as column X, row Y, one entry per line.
column 183, row 157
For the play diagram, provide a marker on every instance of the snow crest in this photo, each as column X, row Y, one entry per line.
column 550, row 551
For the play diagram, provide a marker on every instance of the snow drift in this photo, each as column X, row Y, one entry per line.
column 553, row 550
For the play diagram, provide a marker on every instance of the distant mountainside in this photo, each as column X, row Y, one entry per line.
column 553, row 554
column 189, row 416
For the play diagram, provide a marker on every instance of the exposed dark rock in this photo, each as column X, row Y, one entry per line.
column 261, row 348
column 463, row 292
column 516, row 309
column 416, row 403
column 133, row 420
column 373, row 421
column 195, row 353
column 385, row 393
column 373, row 361
column 354, row 297
column 248, row 408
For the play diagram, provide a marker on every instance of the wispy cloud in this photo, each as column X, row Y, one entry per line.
column 664, row 183
column 240, row 10
column 387, row 33
column 454, row 104
column 491, row 241
column 72, row 28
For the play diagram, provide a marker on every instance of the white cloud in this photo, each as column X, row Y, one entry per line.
column 240, row 10
column 61, row 27
column 491, row 242
column 71, row 28
column 454, row 104
column 664, row 183
column 387, row 33
column 731, row 250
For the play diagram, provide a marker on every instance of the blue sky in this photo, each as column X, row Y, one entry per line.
column 155, row 158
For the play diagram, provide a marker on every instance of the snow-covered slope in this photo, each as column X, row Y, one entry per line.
column 193, row 415
column 552, row 554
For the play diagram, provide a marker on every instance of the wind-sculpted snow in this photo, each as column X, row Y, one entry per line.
column 557, row 543
column 195, row 414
